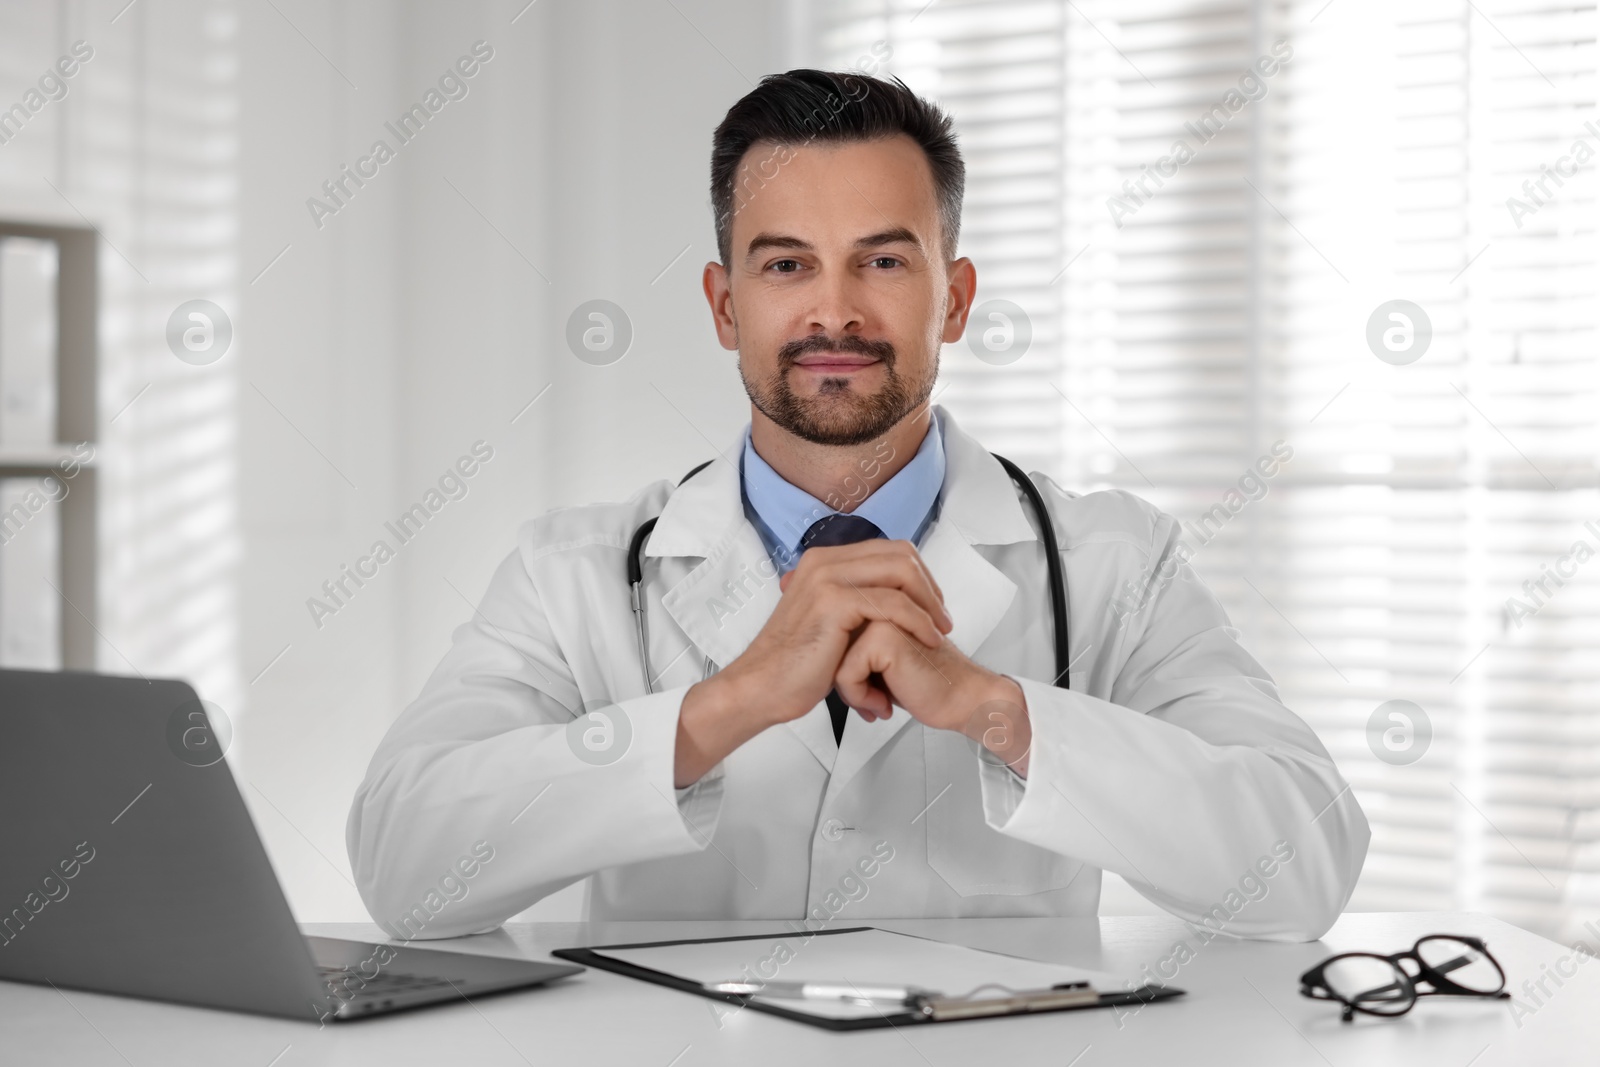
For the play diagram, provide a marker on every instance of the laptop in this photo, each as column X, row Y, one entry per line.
column 129, row 864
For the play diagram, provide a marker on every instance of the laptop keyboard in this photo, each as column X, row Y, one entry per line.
column 384, row 983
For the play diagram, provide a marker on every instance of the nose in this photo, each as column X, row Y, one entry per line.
column 837, row 308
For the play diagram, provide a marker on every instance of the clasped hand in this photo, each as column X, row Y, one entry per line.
column 869, row 619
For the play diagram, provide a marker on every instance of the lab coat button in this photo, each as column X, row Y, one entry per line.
column 833, row 829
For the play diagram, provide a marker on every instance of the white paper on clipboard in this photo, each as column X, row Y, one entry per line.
column 878, row 957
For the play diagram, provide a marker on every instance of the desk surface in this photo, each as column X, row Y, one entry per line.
column 1243, row 1007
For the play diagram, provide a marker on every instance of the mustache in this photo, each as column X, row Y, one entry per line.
column 861, row 346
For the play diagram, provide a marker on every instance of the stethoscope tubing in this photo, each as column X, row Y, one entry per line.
column 1047, row 533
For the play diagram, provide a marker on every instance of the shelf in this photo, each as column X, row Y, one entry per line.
column 36, row 461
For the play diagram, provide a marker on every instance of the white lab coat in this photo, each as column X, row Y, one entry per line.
column 1171, row 761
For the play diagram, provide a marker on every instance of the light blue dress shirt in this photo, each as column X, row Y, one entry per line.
column 903, row 507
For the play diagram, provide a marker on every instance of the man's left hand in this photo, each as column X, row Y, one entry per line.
column 940, row 687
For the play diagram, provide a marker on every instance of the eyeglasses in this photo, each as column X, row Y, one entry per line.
column 1449, row 964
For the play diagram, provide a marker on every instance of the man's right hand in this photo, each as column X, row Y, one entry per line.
column 790, row 665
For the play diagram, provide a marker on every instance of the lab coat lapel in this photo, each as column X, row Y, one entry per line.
column 978, row 505
column 722, row 603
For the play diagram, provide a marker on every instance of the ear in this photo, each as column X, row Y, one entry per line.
column 963, row 286
column 719, row 295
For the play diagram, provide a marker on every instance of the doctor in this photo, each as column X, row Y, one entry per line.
column 853, row 549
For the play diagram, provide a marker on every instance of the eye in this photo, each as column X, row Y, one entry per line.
column 783, row 266
column 890, row 260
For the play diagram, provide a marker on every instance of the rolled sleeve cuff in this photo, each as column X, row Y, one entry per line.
column 1017, row 806
column 653, row 751
column 700, row 804
column 1003, row 789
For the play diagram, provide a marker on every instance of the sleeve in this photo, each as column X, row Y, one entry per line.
column 498, row 769
column 1193, row 781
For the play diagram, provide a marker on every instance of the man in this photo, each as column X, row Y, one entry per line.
column 734, row 783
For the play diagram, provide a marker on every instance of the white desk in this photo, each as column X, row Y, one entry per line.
column 1243, row 1008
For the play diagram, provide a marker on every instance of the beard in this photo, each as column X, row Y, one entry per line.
column 838, row 414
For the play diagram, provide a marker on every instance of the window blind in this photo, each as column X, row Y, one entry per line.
column 1195, row 306
column 1001, row 68
column 141, row 142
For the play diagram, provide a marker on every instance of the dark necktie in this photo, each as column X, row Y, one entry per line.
column 838, row 530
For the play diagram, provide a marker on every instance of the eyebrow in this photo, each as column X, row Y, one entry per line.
column 894, row 235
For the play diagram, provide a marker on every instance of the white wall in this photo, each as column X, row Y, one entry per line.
column 322, row 352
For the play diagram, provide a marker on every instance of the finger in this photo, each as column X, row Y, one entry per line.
column 878, row 548
column 875, row 685
column 893, row 570
column 911, row 550
column 871, row 652
column 864, row 605
column 870, row 703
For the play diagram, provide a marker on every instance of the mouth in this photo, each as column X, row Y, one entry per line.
column 835, row 362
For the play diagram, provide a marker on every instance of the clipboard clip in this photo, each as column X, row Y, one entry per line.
column 925, row 1002
column 939, row 1008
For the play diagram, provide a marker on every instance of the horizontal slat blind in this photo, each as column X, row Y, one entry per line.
column 144, row 146
column 1428, row 493
column 1000, row 69
column 1224, row 307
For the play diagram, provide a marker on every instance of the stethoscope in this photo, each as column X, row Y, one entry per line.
column 1058, row 581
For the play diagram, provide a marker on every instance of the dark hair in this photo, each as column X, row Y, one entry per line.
column 806, row 105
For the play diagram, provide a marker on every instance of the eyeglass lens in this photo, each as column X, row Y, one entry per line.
column 1461, row 963
column 1370, row 982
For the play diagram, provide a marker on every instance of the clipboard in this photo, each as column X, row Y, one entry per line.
column 1067, row 997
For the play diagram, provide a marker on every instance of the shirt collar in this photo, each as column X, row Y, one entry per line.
column 902, row 507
